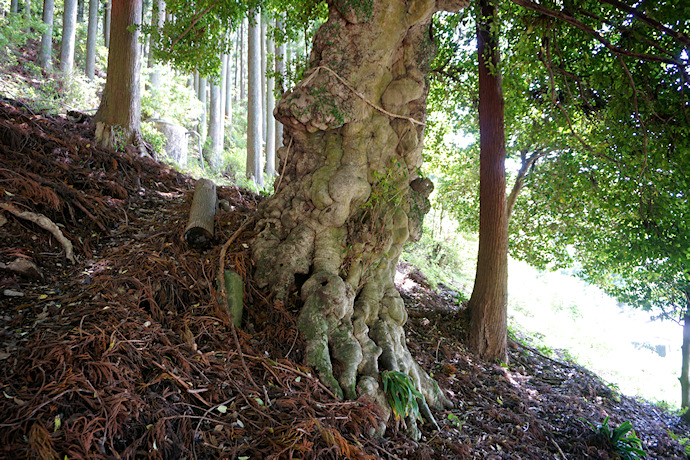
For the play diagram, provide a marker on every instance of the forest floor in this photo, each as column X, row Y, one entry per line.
column 126, row 353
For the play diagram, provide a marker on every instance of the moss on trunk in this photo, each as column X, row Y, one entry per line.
column 350, row 196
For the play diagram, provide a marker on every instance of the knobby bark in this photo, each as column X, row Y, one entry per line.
column 119, row 114
column 350, row 195
column 45, row 55
column 489, row 300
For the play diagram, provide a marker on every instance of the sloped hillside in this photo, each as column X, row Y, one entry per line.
column 127, row 353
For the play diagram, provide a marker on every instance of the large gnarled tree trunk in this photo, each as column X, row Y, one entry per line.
column 118, row 118
column 350, row 195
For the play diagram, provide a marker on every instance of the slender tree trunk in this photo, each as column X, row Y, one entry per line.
column 80, row 11
column 280, row 59
column 90, row 67
column 157, row 18
column 106, row 23
column 201, row 94
column 254, row 112
column 213, row 145
column 263, row 81
column 14, row 6
column 225, row 77
column 270, row 120
column 685, row 367
column 242, row 71
column 119, row 115
column 27, row 10
column 228, row 90
column 351, row 196
column 45, row 55
column 489, row 300
column 69, row 33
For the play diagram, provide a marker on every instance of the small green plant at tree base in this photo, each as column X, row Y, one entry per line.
column 621, row 440
column 402, row 394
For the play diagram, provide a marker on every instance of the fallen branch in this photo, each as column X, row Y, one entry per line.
column 46, row 224
column 199, row 231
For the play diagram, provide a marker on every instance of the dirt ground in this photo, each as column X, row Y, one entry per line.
column 127, row 352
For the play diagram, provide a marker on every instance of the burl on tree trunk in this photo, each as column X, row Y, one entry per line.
column 350, row 195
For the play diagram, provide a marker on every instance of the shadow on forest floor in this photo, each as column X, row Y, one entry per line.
column 127, row 353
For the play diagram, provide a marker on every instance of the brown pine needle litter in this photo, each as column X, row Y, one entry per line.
column 129, row 353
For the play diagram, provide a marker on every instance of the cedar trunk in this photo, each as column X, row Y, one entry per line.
column 90, row 67
column 118, row 116
column 45, row 56
column 350, row 196
column 69, row 33
column 488, row 303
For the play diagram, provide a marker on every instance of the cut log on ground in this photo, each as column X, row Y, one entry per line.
column 199, row 231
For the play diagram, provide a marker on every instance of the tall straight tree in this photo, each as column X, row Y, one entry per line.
column 243, row 27
column 254, row 112
column 92, row 35
column 107, row 12
column 119, row 115
column 69, row 34
column 157, row 19
column 14, row 6
column 214, row 143
column 228, row 89
column 270, row 120
column 280, row 58
column 263, row 78
column 488, row 304
column 201, row 95
column 45, row 55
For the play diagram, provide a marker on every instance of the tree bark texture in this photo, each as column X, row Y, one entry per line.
column 90, row 67
column 69, row 34
column 119, row 114
column 45, row 56
column 489, row 300
column 254, row 111
column 350, row 196
column 14, row 6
